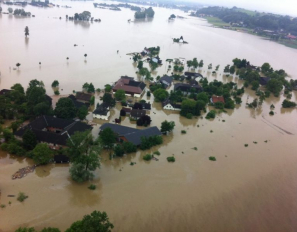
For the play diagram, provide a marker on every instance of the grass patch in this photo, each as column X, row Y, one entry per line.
column 22, row 197
column 132, row 163
column 183, row 132
column 156, row 153
column 2, row 206
column 246, row 145
column 171, row 159
column 212, row 158
column 92, row 187
column 195, row 148
column 147, row 157
column 216, row 21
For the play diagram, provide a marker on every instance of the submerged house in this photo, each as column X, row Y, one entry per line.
column 191, row 75
column 132, row 135
column 53, row 131
column 264, row 80
column 157, row 60
column 101, row 112
column 130, row 86
column 166, row 81
column 77, row 103
column 187, row 88
column 83, row 97
column 215, row 99
column 136, row 113
column 169, row 105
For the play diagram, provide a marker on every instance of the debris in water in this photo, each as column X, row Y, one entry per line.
column 23, row 172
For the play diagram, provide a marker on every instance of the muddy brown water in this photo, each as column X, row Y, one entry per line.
column 247, row 189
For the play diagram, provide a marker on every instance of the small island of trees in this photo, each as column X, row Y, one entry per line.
column 147, row 13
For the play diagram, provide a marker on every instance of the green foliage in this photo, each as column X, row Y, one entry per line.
column 21, row 197
column 92, row 187
column 147, row 157
column 129, row 147
column 184, row 132
column 288, row 104
column 65, row 108
column 212, row 158
column 211, row 114
column 219, row 105
column 23, row 229
column 50, row 229
column 91, row 88
column 148, row 142
column 189, row 116
column 79, row 173
column 95, row 222
column 107, row 88
column 275, row 86
column 7, row 134
column 246, row 145
column 92, row 100
column 167, row 126
column 192, row 107
column 107, row 138
column 120, row 95
column 160, row 95
column 57, row 92
column 82, row 112
column 119, row 150
column 144, row 120
column 2, row 206
column 42, row 154
column 156, row 153
column 148, row 93
column 229, row 104
column 108, row 99
column 171, row 159
column 55, row 84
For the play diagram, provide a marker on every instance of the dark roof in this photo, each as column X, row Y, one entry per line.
column 167, row 79
column 191, row 74
column 101, row 109
column 5, row 91
column 127, row 110
column 61, row 159
column 76, row 103
column 129, row 85
column 48, row 98
column 264, row 80
column 137, row 113
column 135, row 137
column 193, row 82
column 166, row 102
column 118, row 129
column 131, row 134
column 83, row 96
column 39, row 127
column 186, row 87
column 146, row 106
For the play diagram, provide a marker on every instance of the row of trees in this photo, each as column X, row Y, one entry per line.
column 95, row 222
column 147, row 13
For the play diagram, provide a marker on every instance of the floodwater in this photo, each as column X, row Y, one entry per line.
column 247, row 189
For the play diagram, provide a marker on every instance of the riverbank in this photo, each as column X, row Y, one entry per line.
column 216, row 22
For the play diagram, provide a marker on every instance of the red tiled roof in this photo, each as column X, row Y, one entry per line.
column 218, row 99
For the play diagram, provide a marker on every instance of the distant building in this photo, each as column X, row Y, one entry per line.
column 168, row 105
column 131, row 87
column 102, row 112
column 136, row 114
column 4, row 92
column 191, row 75
column 132, row 135
column 77, row 103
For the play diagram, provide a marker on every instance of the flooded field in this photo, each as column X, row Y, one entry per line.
column 247, row 189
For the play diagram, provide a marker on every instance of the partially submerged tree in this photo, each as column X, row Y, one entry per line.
column 167, row 126
column 26, row 31
column 42, row 154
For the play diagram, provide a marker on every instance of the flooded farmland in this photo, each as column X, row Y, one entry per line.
column 247, row 189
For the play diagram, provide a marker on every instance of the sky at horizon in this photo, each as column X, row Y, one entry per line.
column 287, row 7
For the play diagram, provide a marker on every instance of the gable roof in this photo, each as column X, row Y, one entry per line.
column 186, row 87
column 264, row 80
column 217, row 99
column 118, row 129
column 39, row 127
column 76, row 103
column 129, row 85
column 166, row 102
column 83, row 96
column 132, row 135
column 135, row 137
column 137, row 113
column 167, row 79
column 101, row 109
column 5, row 91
